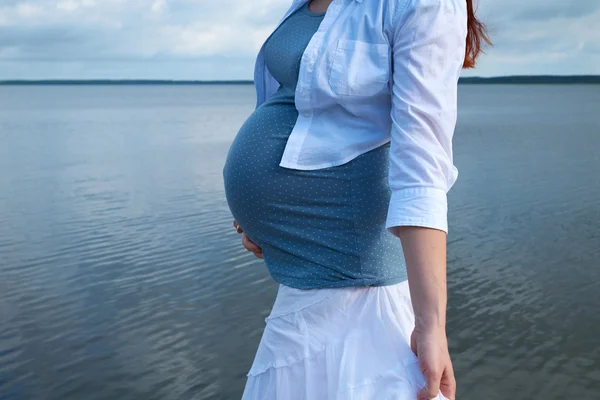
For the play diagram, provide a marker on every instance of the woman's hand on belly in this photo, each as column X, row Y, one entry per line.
column 247, row 242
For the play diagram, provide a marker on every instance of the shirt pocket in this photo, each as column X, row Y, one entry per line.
column 359, row 68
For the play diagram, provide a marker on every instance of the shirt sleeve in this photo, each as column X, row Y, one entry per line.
column 428, row 50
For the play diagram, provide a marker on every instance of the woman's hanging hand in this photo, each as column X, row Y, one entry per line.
column 431, row 348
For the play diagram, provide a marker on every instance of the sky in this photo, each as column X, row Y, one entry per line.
column 219, row 39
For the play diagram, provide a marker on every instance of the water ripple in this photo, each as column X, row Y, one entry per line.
column 121, row 276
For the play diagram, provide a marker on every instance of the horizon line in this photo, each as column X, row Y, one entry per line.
column 588, row 78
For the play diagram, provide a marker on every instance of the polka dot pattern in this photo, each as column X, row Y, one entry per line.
column 318, row 228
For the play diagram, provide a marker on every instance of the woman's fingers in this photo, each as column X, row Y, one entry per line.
column 432, row 386
column 448, row 383
column 435, row 364
column 237, row 227
column 247, row 242
column 251, row 246
column 437, row 380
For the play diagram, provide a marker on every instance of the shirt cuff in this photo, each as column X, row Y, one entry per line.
column 418, row 206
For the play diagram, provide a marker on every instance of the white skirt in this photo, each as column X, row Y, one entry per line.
column 337, row 344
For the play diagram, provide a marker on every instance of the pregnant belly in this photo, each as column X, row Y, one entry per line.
column 252, row 165
column 279, row 206
column 313, row 225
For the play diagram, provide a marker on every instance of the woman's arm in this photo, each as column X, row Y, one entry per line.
column 429, row 43
column 425, row 252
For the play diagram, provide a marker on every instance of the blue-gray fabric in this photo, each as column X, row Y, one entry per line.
column 317, row 228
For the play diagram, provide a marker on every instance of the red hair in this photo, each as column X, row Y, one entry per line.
column 476, row 35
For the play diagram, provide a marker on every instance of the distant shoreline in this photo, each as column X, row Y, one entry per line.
column 516, row 79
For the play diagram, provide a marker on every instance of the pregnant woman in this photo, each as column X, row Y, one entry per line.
column 338, row 180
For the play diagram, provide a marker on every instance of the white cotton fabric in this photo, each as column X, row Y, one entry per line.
column 379, row 71
column 337, row 344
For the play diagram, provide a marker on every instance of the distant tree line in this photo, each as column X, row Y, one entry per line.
column 517, row 79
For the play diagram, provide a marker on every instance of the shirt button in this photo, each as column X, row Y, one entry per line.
column 307, row 113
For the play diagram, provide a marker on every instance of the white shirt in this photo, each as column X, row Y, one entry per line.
column 378, row 71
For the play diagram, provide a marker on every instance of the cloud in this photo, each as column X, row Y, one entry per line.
column 542, row 11
column 191, row 39
column 541, row 37
column 159, row 6
column 28, row 10
column 67, row 5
